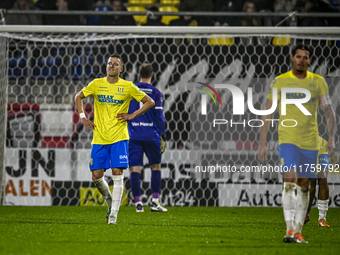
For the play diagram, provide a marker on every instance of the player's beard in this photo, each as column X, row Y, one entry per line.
column 300, row 68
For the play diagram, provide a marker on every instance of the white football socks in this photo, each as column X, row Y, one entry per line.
column 289, row 203
column 118, row 187
column 104, row 189
column 155, row 200
column 323, row 208
column 302, row 201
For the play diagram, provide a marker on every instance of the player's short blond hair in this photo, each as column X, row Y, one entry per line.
column 116, row 55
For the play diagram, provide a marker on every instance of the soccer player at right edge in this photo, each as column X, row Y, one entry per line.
column 147, row 135
column 298, row 145
column 323, row 194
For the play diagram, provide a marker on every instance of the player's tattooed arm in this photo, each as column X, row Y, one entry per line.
column 331, row 122
column 329, row 112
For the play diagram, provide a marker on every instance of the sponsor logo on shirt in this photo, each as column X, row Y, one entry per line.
column 108, row 99
column 295, row 95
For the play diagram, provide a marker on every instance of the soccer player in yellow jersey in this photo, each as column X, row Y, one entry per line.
column 298, row 135
column 112, row 96
column 323, row 194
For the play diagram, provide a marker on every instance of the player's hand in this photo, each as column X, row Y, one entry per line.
column 122, row 117
column 262, row 154
column 331, row 147
column 163, row 144
column 89, row 125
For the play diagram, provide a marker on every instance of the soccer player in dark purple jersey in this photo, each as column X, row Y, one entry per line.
column 147, row 135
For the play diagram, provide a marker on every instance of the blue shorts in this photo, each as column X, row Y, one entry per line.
column 304, row 161
column 323, row 160
column 109, row 156
column 152, row 149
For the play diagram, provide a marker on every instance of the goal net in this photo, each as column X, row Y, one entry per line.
column 47, row 150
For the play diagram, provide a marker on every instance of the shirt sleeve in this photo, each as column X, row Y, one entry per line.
column 89, row 90
column 159, row 113
column 136, row 93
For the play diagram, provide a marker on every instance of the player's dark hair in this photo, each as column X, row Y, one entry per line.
column 116, row 55
column 302, row 46
column 145, row 70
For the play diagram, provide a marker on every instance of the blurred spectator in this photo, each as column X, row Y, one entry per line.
column 63, row 5
column 248, row 21
column 285, row 6
column 72, row 4
column 265, row 6
column 238, row 4
column 198, row 6
column 235, row 6
column 228, row 6
column 23, row 19
column 154, row 20
column 117, row 5
column 46, row 4
column 184, row 21
column 101, row 3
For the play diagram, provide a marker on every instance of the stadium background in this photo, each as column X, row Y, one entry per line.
column 47, row 150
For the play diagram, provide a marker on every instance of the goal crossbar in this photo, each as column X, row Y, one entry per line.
column 171, row 30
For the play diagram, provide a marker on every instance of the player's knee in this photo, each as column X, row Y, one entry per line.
column 155, row 167
column 96, row 175
column 135, row 169
column 117, row 171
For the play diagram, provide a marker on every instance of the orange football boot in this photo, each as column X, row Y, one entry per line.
column 323, row 223
column 299, row 238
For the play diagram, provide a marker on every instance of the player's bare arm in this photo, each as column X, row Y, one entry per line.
column 89, row 125
column 331, row 122
column 147, row 104
column 262, row 151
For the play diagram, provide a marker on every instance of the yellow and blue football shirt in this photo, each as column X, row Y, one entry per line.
column 305, row 133
column 109, row 100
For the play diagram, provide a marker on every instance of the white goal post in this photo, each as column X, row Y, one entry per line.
column 44, row 150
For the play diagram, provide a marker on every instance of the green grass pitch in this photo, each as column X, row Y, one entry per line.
column 183, row 230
